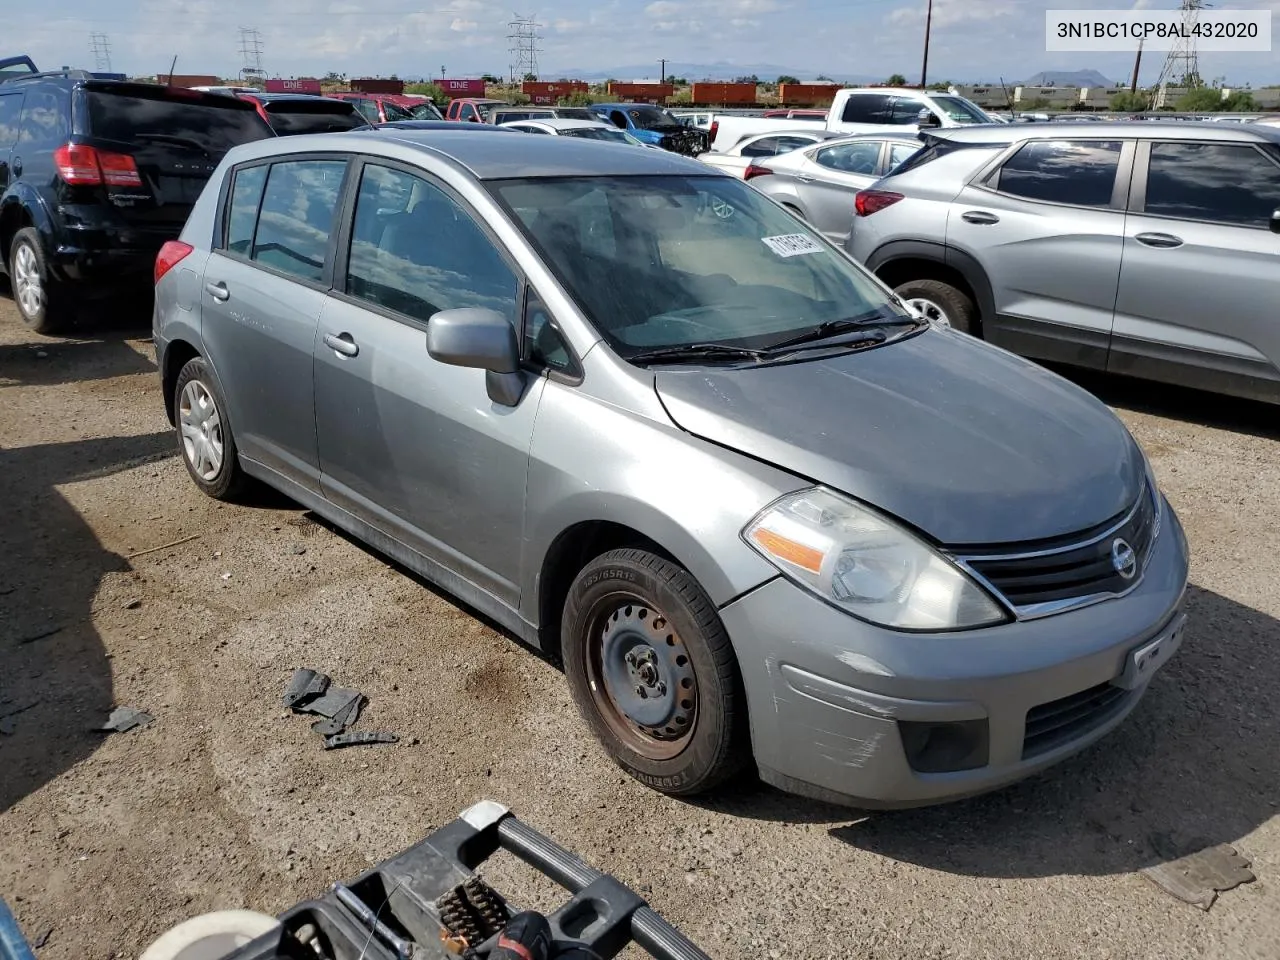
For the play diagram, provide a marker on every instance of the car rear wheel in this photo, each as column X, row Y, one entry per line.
column 653, row 673
column 940, row 303
column 41, row 299
column 204, row 435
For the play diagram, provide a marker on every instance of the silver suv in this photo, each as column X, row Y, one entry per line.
column 1149, row 249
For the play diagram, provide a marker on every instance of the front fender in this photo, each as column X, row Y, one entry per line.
column 594, row 461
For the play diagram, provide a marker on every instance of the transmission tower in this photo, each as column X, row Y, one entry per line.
column 101, row 49
column 523, row 39
column 1182, row 65
column 251, row 53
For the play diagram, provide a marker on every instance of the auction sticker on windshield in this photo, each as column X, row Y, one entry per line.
column 792, row 244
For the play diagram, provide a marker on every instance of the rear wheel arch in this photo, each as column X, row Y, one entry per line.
column 13, row 217
column 176, row 356
column 896, row 263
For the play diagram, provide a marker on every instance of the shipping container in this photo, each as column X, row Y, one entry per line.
column 724, row 93
column 377, row 85
column 641, row 92
column 188, row 80
column 301, row 85
column 461, row 88
column 548, row 93
column 807, row 94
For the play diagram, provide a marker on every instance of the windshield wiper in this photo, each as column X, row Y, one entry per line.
column 830, row 328
column 187, row 142
column 693, row 352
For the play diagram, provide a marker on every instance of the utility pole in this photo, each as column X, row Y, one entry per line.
column 1137, row 62
column 663, row 77
column 924, row 67
column 101, row 49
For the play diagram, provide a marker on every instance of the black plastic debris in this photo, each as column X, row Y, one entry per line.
column 312, row 692
column 354, row 738
column 1199, row 877
column 125, row 718
column 304, row 685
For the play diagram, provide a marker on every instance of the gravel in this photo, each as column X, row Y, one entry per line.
column 224, row 801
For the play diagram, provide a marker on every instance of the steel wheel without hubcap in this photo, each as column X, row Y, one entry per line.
column 642, row 679
column 930, row 311
column 28, row 288
column 201, row 426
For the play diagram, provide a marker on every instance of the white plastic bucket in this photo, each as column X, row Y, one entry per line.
column 210, row 936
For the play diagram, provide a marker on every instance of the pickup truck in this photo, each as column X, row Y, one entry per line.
column 861, row 110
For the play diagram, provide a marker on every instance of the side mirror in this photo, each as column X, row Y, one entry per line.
column 483, row 339
column 928, row 119
column 1275, row 220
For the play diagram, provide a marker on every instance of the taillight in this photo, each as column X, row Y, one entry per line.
column 753, row 171
column 170, row 255
column 77, row 165
column 867, row 202
column 83, row 166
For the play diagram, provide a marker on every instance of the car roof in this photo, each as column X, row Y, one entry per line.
column 559, row 123
column 1146, row 129
column 273, row 97
column 488, row 159
column 437, row 125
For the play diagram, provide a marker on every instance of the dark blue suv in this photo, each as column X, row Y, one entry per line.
column 95, row 176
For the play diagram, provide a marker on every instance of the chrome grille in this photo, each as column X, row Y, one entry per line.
column 1053, row 576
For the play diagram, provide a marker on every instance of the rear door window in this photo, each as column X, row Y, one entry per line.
column 44, row 121
column 905, row 110
column 899, row 152
column 1215, row 182
column 861, row 158
column 764, row 147
column 299, row 204
column 1080, row 173
column 866, row 108
column 10, row 114
column 242, row 217
column 185, row 126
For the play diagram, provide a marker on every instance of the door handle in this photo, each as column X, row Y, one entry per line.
column 1164, row 241
column 801, row 178
column 979, row 216
column 218, row 291
column 342, row 343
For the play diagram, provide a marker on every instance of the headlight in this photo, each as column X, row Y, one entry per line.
column 867, row 565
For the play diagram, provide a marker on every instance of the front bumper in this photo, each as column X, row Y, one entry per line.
column 837, row 705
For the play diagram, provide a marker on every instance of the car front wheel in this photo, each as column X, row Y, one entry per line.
column 653, row 673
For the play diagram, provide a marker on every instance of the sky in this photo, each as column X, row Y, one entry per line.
column 972, row 40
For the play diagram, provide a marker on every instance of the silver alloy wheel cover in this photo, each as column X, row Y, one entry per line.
column 200, row 423
column 28, row 289
column 930, row 311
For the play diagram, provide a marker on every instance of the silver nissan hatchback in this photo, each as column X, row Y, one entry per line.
column 657, row 426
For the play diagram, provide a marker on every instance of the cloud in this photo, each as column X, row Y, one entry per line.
column 742, row 24
column 950, row 13
column 662, row 10
column 463, row 26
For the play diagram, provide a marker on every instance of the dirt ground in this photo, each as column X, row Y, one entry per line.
column 228, row 800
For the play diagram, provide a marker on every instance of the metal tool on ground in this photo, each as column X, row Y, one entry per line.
column 429, row 903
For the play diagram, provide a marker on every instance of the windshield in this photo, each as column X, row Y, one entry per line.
column 665, row 261
column 651, row 118
column 394, row 111
column 599, row 133
column 574, row 113
column 288, row 119
column 961, row 110
column 425, row 111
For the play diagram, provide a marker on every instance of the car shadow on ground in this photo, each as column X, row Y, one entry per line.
column 1195, row 765
column 55, row 676
column 1214, row 410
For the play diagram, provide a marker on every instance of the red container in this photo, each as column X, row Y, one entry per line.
column 546, row 93
column 807, row 94
column 642, row 92
column 377, row 85
column 461, row 88
column 301, row 85
column 724, row 93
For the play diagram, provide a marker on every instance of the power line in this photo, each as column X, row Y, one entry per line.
column 523, row 40
column 1182, row 65
column 101, row 49
column 251, row 53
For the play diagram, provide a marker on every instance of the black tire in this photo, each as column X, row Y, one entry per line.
column 54, row 311
column 663, row 601
column 229, row 478
column 961, row 313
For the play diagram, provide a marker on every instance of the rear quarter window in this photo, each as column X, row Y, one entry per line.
column 210, row 128
column 44, row 119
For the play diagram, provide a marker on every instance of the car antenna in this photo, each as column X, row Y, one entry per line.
column 172, row 66
column 1007, row 98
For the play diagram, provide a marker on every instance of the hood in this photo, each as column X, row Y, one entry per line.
column 967, row 443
